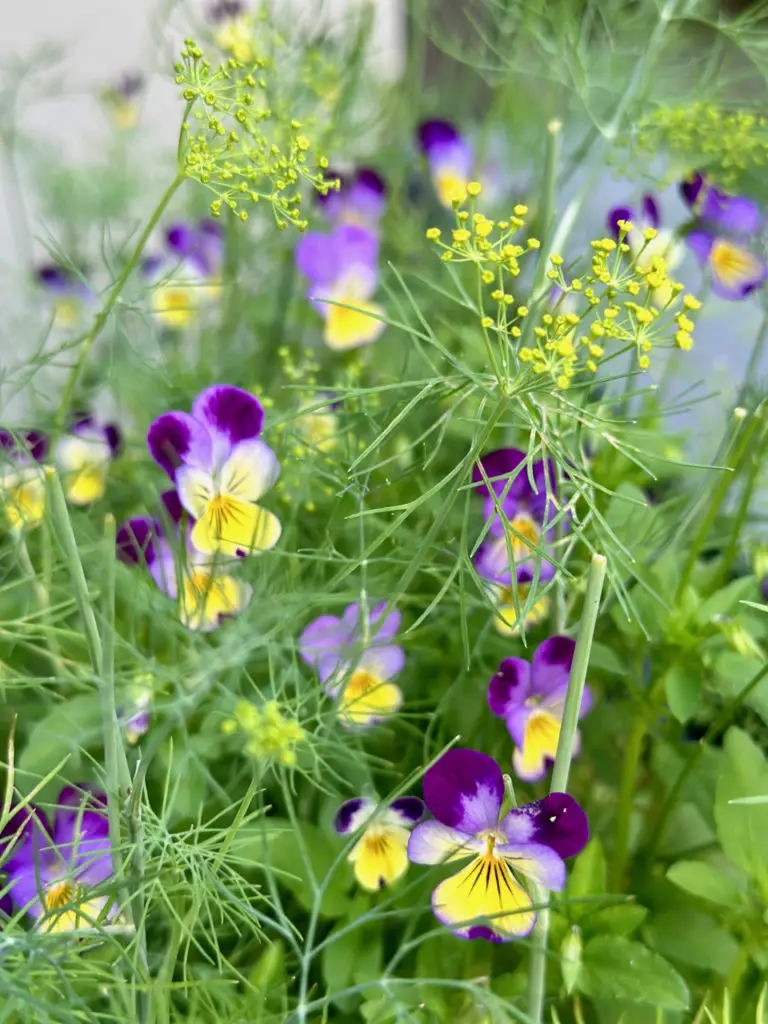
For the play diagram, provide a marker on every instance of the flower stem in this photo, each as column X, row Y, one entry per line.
column 755, row 358
column 112, row 297
column 628, row 780
column 538, row 964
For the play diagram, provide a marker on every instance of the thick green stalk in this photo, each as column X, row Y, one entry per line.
column 538, row 966
column 114, row 295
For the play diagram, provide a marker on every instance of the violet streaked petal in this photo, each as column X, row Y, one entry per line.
column 557, row 821
column 176, row 439
column 431, row 842
column 464, row 790
column 551, row 664
column 405, row 811
column 731, row 214
column 352, row 814
column 134, row 541
column 615, row 215
column 509, row 687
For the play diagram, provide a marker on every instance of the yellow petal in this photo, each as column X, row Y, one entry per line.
column 348, row 328
column 232, row 527
column 367, row 699
column 87, row 485
column 174, row 305
column 450, row 186
column 542, row 732
column 206, row 598
column 486, row 887
column 380, row 857
column 25, row 502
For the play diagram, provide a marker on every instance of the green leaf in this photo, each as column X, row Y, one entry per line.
column 67, row 729
column 587, row 878
column 683, row 685
column 733, row 672
column 353, row 959
column 297, row 876
column 693, row 938
column 726, row 600
column 743, row 829
column 620, row 920
column 705, row 881
column 617, row 968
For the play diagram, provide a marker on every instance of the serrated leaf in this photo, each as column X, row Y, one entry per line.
column 617, row 968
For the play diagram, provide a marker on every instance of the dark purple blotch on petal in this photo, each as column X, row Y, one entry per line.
column 651, row 210
column 560, row 823
column 180, row 239
column 509, row 686
column 482, row 931
column 500, row 463
column 691, row 186
column 169, row 439
column 172, row 505
column 371, row 180
column 458, row 775
column 615, row 215
column 436, row 133
column 411, row 807
column 231, row 411
column 56, row 278
column 133, row 542
column 346, row 813
column 113, row 438
column 224, row 10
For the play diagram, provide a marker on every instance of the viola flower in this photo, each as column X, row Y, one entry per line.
column 68, row 292
column 360, row 198
column 736, row 215
column 53, row 869
column 649, row 242
column 357, row 664
column 221, row 469
column 450, row 160
column 187, row 273
column 530, row 697
column 380, row 856
column 232, row 29
column 21, row 478
column 207, row 593
column 485, row 899
column 122, row 99
column 527, row 507
column 507, row 619
column 342, row 267
column 83, row 457
column 134, row 714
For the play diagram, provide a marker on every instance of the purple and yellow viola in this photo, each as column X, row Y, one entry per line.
column 648, row 241
column 221, row 469
column 205, row 592
column 68, row 293
column 186, row 273
column 530, row 697
column 22, row 485
column 450, row 160
column 380, row 856
column 232, row 28
column 342, row 273
column 486, row 899
column 83, row 456
column 122, row 100
column 55, row 870
column 720, row 239
column 360, row 198
column 356, row 661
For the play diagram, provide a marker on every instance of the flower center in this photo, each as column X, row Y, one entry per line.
column 360, row 685
column 58, row 895
column 524, row 536
column 730, row 262
column 450, row 186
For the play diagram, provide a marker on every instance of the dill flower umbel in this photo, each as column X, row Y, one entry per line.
column 268, row 734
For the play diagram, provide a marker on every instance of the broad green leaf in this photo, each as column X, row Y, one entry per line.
column 704, row 880
column 296, row 875
column 617, row 968
column 743, row 829
column 619, row 920
column 587, row 877
column 353, row 959
column 683, row 685
column 733, row 672
column 67, row 729
column 726, row 600
column 693, row 938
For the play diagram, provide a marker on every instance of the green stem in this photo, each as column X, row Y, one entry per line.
column 538, row 964
column 43, row 600
column 732, row 548
column 726, row 479
column 755, row 358
column 114, row 295
column 629, row 769
column 549, row 202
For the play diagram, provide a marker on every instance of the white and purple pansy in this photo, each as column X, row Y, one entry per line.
column 54, row 870
column 342, row 273
column 530, row 697
column 450, row 160
column 22, row 487
column 359, row 199
column 221, row 468
column 485, row 899
column 122, row 99
column 68, row 291
column 186, row 273
column 83, row 456
column 517, row 538
column 356, row 662
column 379, row 857
column 207, row 594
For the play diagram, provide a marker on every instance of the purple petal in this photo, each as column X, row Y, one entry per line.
column 501, row 463
column 691, row 186
column 172, row 505
column 113, row 438
column 651, row 211
column 517, row 722
column 163, row 567
column 537, row 861
column 464, row 790
column 177, row 438
column 551, row 665
column 316, row 259
column 326, row 635
column 388, row 627
column 701, row 243
column 134, row 541
column 407, row 810
column 731, row 214
column 492, row 561
column 354, row 246
column 383, row 662
column 332, row 201
column 56, row 278
column 736, row 272
column 509, row 687
column 230, row 414
column 352, row 814
column 615, row 215
column 180, row 239
column 557, row 821
column 81, row 832
column 431, row 842
column 367, row 196
column 436, row 133
column 482, row 931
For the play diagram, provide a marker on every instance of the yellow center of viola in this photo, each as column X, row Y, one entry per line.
column 174, row 305
column 58, row 895
column 449, row 187
column 731, row 263
column 366, row 698
column 87, row 484
column 25, row 506
column 348, row 328
column 524, row 536
column 507, row 619
column 66, row 312
column 380, row 858
column 234, row 527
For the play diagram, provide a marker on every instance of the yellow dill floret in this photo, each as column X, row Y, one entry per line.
column 684, row 341
column 649, row 234
column 684, row 323
column 556, row 260
column 522, row 311
column 515, row 332
column 520, row 210
column 433, row 234
column 497, row 295
column 576, row 284
column 691, row 302
column 487, row 321
column 625, row 226
column 483, row 227
column 563, row 381
column 461, row 235
column 488, row 277
column 644, row 315
column 526, row 354
column 533, row 243
column 474, row 188
column 643, row 362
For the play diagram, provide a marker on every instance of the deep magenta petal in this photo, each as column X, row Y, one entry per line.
column 557, row 821
column 551, row 665
column 172, row 438
column 134, row 541
column 229, row 411
column 465, row 790
column 509, row 687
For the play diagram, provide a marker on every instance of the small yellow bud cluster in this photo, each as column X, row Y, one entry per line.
column 727, row 142
column 225, row 145
column 268, row 735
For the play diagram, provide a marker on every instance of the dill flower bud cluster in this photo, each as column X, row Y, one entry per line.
column 268, row 735
column 726, row 142
column 226, row 145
